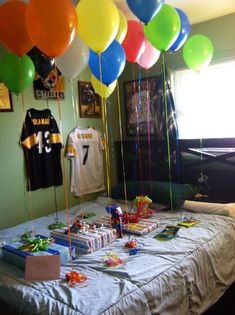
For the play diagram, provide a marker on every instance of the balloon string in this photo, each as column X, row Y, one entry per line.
column 30, row 208
column 149, row 133
column 201, row 157
column 24, row 181
column 139, row 110
column 138, row 150
column 167, row 130
column 73, row 101
column 106, row 140
column 65, row 184
column 76, row 120
column 121, row 141
column 172, row 63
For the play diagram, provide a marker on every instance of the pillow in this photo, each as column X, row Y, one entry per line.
column 158, row 191
column 227, row 209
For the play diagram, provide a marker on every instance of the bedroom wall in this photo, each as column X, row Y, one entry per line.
column 15, row 202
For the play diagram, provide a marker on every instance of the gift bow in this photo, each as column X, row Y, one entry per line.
column 34, row 245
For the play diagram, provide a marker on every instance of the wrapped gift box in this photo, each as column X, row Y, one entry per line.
column 86, row 242
column 12, row 254
column 144, row 226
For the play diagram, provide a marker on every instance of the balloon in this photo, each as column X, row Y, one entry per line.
column 198, row 52
column 12, row 25
column 112, row 62
column 121, row 34
column 17, row 72
column 98, row 23
column 3, row 51
column 134, row 42
column 101, row 89
column 149, row 57
column 164, row 28
column 42, row 63
column 145, row 10
column 51, row 26
column 74, row 60
column 184, row 31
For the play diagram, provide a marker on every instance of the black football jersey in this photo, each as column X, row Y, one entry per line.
column 42, row 145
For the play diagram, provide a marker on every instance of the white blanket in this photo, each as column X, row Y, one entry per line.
column 185, row 275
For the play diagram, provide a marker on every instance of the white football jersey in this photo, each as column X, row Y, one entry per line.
column 84, row 147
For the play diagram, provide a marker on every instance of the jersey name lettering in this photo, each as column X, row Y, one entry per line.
column 84, row 136
column 41, row 121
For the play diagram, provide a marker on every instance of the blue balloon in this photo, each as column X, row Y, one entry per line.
column 112, row 62
column 184, row 31
column 145, row 10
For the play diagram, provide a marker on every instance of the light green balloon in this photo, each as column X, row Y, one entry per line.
column 163, row 30
column 198, row 52
column 17, row 73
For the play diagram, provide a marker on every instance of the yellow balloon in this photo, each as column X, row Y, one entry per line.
column 101, row 89
column 98, row 23
column 121, row 34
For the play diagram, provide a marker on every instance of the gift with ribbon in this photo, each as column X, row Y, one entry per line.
column 16, row 252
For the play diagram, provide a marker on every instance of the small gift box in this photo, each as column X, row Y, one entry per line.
column 17, row 252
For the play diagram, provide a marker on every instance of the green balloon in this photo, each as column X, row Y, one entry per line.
column 17, row 73
column 163, row 30
column 198, row 52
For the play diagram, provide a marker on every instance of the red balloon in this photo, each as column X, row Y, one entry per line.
column 134, row 42
column 52, row 25
column 13, row 31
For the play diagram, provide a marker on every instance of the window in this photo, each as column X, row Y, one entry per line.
column 205, row 102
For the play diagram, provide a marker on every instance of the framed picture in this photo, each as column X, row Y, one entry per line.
column 5, row 99
column 140, row 98
column 89, row 101
column 51, row 87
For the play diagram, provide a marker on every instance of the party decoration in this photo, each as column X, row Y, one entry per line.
column 122, row 30
column 101, row 89
column 51, row 27
column 111, row 259
column 116, row 219
column 134, row 42
column 188, row 222
column 13, row 30
column 142, row 205
column 145, row 10
column 36, row 244
column 98, row 23
column 74, row 60
column 74, row 277
column 17, row 73
column 198, row 52
column 184, row 31
column 164, row 28
column 109, row 66
column 149, row 57
column 167, row 233
column 42, row 63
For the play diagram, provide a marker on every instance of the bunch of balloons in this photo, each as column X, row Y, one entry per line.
column 42, row 34
column 164, row 28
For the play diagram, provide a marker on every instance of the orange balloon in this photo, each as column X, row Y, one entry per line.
column 13, row 33
column 52, row 25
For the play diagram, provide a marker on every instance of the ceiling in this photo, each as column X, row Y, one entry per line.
column 196, row 10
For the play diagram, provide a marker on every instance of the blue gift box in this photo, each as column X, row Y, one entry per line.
column 12, row 254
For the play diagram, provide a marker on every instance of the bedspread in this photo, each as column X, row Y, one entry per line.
column 185, row 275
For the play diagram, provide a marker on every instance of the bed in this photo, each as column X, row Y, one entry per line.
column 185, row 275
